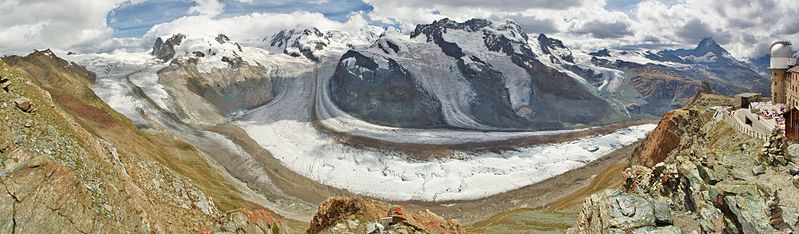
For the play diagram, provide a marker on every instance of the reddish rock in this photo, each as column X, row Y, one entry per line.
column 660, row 142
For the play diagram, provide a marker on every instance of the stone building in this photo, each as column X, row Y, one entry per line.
column 784, row 75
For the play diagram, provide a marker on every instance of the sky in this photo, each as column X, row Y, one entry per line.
column 745, row 27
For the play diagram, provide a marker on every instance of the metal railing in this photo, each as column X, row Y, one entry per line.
column 746, row 129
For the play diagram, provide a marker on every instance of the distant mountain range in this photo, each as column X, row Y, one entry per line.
column 477, row 74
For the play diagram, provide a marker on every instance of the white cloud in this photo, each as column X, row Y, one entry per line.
column 744, row 27
column 254, row 26
column 34, row 24
column 209, row 7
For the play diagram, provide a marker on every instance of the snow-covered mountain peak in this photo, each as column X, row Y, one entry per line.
column 299, row 42
column 555, row 48
column 207, row 52
column 706, row 52
column 708, row 45
column 509, row 29
column 312, row 43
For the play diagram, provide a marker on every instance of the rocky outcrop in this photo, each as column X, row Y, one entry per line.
column 165, row 49
column 615, row 211
column 708, row 177
column 662, row 140
column 359, row 215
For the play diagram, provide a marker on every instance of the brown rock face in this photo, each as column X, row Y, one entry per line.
column 347, row 215
column 664, row 139
column 665, row 91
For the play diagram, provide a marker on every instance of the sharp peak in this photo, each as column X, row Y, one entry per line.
column 46, row 52
column 707, row 41
column 472, row 21
column 709, row 45
column 300, row 29
column 544, row 37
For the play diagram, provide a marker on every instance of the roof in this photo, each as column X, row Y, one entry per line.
column 748, row 95
column 794, row 69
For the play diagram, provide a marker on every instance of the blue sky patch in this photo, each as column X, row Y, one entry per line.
column 134, row 20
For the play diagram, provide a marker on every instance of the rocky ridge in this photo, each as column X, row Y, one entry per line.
column 60, row 172
column 359, row 215
column 712, row 179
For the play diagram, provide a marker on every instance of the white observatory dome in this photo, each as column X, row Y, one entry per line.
column 782, row 55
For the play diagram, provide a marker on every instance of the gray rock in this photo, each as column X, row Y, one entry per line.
column 373, row 227
column 662, row 213
column 28, row 123
column 792, row 151
column 711, row 220
column 793, row 171
column 165, row 49
column 758, row 170
column 781, row 160
column 628, row 212
column 790, row 215
column 658, row 230
column 738, row 173
column 795, row 181
column 747, row 206
column 614, row 209
column 708, row 175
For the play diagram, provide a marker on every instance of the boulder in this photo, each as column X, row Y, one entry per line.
column 708, row 175
column 711, row 220
column 758, row 170
column 793, row 171
column 792, row 151
column 658, row 230
column 662, row 213
column 745, row 205
column 24, row 104
column 795, row 181
column 614, row 209
column 5, row 84
column 781, row 160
